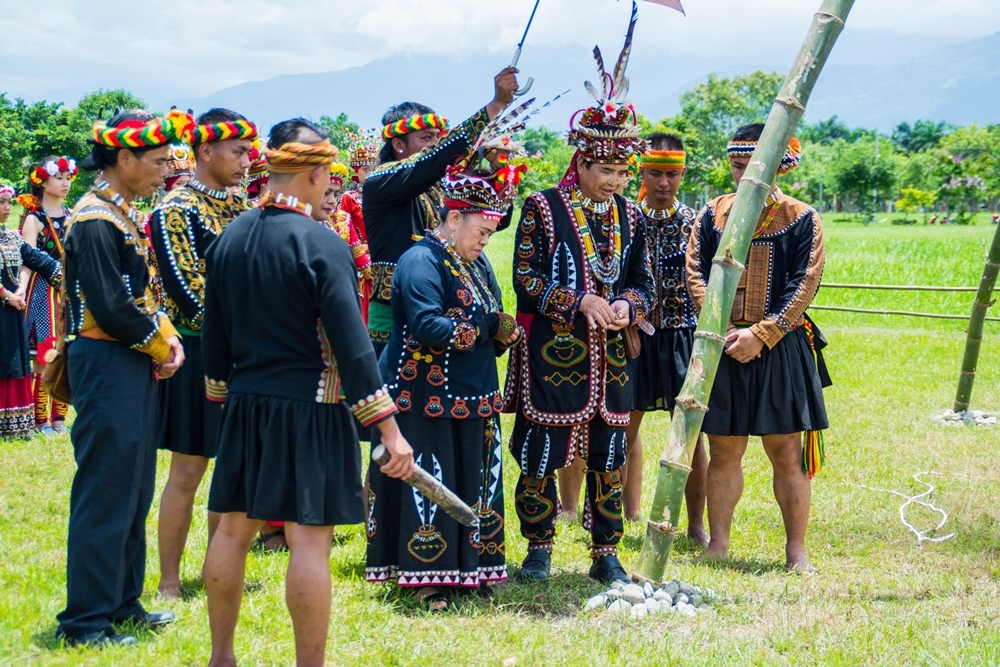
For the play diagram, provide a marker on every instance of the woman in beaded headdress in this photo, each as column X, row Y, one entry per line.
column 16, row 402
column 448, row 330
column 43, row 226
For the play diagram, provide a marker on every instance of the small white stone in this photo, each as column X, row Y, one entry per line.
column 617, row 585
column 663, row 596
column 647, row 590
column 710, row 594
column 672, row 588
column 597, row 602
column 977, row 414
column 652, row 606
column 619, row 607
column 682, row 598
column 687, row 589
column 696, row 600
column 689, row 611
column 613, row 594
column 639, row 611
column 634, row 594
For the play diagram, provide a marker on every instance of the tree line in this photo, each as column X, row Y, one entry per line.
column 923, row 167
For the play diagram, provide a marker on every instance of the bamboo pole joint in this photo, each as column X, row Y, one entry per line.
column 663, row 528
column 691, row 403
column 791, row 103
column 675, row 464
column 728, row 260
column 710, row 335
column 826, row 17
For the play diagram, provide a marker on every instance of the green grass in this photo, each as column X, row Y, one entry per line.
column 880, row 598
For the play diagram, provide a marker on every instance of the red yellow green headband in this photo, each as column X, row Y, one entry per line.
column 664, row 160
column 176, row 127
column 427, row 121
column 230, row 129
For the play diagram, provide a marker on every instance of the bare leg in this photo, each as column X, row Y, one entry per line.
column 176, row 506
column 793, row 491
column 213, row 525
column 725, row 486
column 307, row 590
column 694, row 494
column 570, row 483
column 632, row 470
column 225, row 570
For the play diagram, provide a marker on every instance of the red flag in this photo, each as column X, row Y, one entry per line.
column 673, row 4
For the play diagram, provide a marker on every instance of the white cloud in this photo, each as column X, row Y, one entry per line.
column 196, row 47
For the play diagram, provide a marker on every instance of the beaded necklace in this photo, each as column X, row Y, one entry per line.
column 600, row 208
column 605, row 271
column 198, row 186
column 658, row 213
column 469, row 275
column 10, row 254
column 288, row 202
column 134, row 231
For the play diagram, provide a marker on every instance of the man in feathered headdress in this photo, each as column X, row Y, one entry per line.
column 580, row 278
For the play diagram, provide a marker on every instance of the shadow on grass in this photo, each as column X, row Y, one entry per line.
column 192, row 588
column 753, row 566
column 561, row 595
column 349, row 570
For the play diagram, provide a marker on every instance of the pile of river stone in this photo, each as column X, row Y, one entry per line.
column 971, row 418
column 676, row 597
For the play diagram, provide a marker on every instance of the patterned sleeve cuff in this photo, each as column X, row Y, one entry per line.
column 638, row 307
column 216, row 390
column 770, row 331
column 464, row 336
column 167, row 328
column 561, row 303
column 375, row 408
column 476, row 124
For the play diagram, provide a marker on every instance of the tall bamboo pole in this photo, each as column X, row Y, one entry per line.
column 727, row 267
column 974, row 335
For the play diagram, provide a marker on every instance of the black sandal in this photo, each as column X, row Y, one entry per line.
column 262, row 540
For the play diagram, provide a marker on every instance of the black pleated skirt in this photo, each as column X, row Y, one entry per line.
column 281, row 459
column 658, row 372
column 410, row 539
column 187, row 422
column 781, row 392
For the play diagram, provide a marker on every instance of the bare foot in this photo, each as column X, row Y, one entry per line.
column 713, row 552
column 568, row 517
column 169, row 591
column 799, row 563
column 631, row 516
column 432, row 598
column 698, row 534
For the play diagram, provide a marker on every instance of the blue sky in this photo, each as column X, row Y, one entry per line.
column 195, row 47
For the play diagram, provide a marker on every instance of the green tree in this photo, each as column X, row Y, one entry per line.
column 855, row 172
column 102, row 104
column 914, row 200
column 923, row 135
column 338, row 128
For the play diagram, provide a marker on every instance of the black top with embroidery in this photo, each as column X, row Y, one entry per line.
column 402, row 200
column 666, row 245
column 15, row 252
column 45, row 241
column 182, row 228
column 568, row 373
column 107, row 275
column 442, row 351
column 282, row 316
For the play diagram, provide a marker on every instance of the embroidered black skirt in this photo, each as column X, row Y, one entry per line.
column 187, row 422
column 781, row 392
column 411, row 539
column 658, row 372
column 281, row 459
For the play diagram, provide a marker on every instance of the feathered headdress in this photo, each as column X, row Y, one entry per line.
column 363, row 151
column 608, row 131
column 181, row 160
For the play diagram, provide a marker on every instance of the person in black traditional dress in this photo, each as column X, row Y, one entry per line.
column 770, row 379
column 286, row 350
column 121, row 342
column 580, row 278
column 43, row 226
column 182, row 229
column 448, row 330
column 16, row 401
column 403, row 194
column 659, row 370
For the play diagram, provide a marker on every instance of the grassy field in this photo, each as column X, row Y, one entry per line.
column 880, row 597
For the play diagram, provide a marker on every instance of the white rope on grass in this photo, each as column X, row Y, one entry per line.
column 921, row 535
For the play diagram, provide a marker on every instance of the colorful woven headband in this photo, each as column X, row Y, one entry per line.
column 295, row 158
column 176, row 128
column 427, row 121
column 790, row 160
column 51, row 168
column 7, row 190
column 230, row 129
column 665, row 160
column 339, row 172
